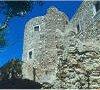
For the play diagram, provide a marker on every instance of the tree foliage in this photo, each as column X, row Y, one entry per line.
column 12, row 69
column 14, row 8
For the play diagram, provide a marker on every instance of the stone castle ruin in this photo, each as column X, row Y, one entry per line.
column 63, row 53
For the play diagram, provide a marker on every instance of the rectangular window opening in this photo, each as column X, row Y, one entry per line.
column 36, row 28
column 78, row 28
column 30, row 55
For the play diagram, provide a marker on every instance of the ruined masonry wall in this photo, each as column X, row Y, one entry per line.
column 46, row 45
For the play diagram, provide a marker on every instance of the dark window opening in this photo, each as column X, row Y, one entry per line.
column 30, row 55
column 36, row 28
column 66, row 22
column 78, row 28
column 46, row 72
column 97, row 6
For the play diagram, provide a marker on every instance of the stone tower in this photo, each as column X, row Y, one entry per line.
column 43, row 45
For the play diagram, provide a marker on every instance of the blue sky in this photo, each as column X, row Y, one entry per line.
column 15, row 31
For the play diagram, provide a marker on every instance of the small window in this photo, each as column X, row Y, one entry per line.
column 30, row 55
column 36, row 28
column 66, row 22
column 78, row 28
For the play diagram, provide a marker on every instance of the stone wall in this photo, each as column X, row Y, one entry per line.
column 86, row 18
column 62, row 56
column 46, row 44
column 79, row 67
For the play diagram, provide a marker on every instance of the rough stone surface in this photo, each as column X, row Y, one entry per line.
column 63, row 56
column 46, row 45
